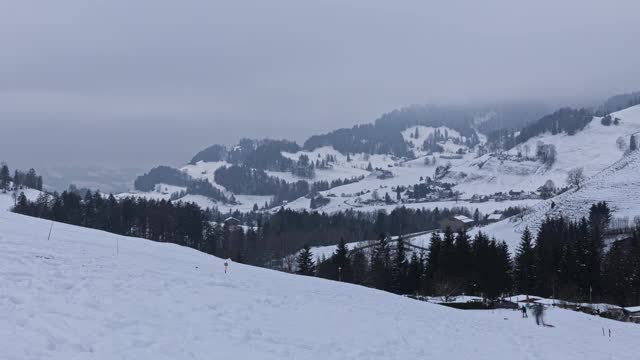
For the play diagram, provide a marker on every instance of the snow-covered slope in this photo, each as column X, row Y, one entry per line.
column 86, row 294
column 618, row 185
column 7, row 201
column 424, row 132
column 594, row 148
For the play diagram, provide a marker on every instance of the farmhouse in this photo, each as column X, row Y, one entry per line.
column 457, row 222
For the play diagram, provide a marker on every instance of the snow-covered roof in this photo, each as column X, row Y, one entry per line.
column 463, row 218
column 231, row 219
column 495, row 216
column 459, row 299
column 633, row 309
column 523, row 297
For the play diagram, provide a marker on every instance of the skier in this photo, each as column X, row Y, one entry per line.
column 226, row 264
column 538, row 311
column 524, row 312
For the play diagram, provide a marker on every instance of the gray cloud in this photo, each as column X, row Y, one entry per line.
column 143, row 82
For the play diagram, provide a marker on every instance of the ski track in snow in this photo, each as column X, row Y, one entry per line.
column 87, row 294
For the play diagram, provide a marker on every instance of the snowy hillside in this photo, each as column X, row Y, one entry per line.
column 87, row 294
column 7, row 201
column 593, row 148
column 617, row 184
column 466, row 173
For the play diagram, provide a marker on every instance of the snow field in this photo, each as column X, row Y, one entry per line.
column 87, row 294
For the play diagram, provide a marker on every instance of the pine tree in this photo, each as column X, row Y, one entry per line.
column 503, row 268
column 616, row 275
column 399, row 268
column 482, row 277
column 305, row 262
column 359, row 268
column 524, row 264
column 632, row 143
column 476, row 216
column 433, row 266
column 415, row 272
column 342, row 262
column 448, row 254
column 381, row 265
column 5, row 178
column 463, row 261
column 369, row 167
column 22, row 206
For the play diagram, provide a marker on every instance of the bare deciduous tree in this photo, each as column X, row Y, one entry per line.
column 576, row 177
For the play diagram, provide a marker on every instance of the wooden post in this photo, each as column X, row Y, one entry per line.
column 51, row 228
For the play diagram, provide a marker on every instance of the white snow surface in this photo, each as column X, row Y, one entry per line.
column 87, row 294
column 7, row 202
column 423, row 134
column 594, row 148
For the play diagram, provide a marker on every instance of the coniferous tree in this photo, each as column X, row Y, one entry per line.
column 448, row 256
column 387, row 198
column 524, row 274
column 5, row 178
column 305, row 262
column 399, row 268
column 503, row 269
column 415, row 273
column 599, row 218
column 482, row 263
column 433, row 265
column 380, row 277
column 342, row 262
column 463, row 261
column 633, row 146
column 359, row 268
column 617, row 275
column 22, row 206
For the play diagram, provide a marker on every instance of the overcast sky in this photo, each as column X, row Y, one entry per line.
column 143, row 82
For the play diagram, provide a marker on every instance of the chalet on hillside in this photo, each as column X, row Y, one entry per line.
column 457, row 222
column 383, row 174
column 494, row 217
column 633, row 313
column 232, row 222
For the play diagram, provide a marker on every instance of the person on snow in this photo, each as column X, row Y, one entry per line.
column 524, row 311
column 538, row 311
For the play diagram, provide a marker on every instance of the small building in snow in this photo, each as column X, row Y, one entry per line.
column 494, row 218
column 457, row 223
column 633, row 313
column 231, row 222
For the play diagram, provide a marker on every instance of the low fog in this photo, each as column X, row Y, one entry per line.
column 139, row 83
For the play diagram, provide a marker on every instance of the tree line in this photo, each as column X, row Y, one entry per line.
column 565, row 120
column 242, row 179
column 170, row 176
column 565, row 260
column 569, row 260
column 29, row 179
column 265, row 241
column 454, row 264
